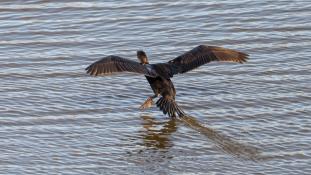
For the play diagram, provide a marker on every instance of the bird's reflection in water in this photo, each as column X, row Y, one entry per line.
column 155, row 153
column 156, row 140
column 225, row 143
column 156, row 134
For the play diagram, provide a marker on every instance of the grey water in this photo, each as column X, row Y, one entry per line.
column 252, row 118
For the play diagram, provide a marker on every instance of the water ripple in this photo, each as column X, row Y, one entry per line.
column 248, row 119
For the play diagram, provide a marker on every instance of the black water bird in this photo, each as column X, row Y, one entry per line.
column 159, row 75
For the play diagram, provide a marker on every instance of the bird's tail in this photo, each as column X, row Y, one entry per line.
column 170, row 107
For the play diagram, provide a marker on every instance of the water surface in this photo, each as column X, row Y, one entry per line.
column 246, row 119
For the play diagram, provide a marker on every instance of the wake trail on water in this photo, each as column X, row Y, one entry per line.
column 223, row 142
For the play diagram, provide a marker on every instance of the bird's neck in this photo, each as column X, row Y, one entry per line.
column 144, row 61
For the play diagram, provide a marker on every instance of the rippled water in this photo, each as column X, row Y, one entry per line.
column 253, row 118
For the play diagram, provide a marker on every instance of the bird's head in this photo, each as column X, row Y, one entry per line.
column 142, row 57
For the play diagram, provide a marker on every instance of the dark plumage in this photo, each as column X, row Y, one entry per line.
column 158, row 75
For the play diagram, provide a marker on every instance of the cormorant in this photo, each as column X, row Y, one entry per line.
column 158, row 75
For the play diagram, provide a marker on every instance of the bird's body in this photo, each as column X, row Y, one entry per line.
column 159, row 75
column 162, row 86
column 165, row 88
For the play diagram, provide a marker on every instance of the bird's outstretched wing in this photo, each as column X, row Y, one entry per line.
column 204, row 54
column 111, row 64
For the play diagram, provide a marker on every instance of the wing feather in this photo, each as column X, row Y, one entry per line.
column 204, row 54
column 111, row 64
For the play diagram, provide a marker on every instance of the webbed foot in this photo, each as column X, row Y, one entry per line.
column 147, row 104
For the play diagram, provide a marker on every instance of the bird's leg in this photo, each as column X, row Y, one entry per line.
column 148, row 103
